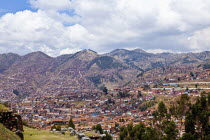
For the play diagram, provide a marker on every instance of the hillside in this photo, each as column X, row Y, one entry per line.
column 7, row 60
column 6, row 134
column 38, row 73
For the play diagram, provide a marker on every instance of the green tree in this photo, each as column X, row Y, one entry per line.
column 123, row 94
column 189, row 123
column 170, row 131
column 117, row 125
column 146, row 87
column 98, row 128
column 203, row 100
column 105, row 90
column 172, row 109
column 108, row 136
column 183, row 106
column 151, row 134
column 123, row 132
column 58, row 128
column 188, row 136
column 191, row 74
column 162, row 109
column 139, row 131
column 71, row 124
column 196, row 85
column 16, row 92
column 209, row 99
column 139, row 94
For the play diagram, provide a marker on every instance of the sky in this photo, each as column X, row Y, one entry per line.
column 58, row 27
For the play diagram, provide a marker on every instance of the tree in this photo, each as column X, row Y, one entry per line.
column 151, row 134
column 138, row 132
column 172, row 109
column 188, row 136
column 191, row 74
column 187, row 89
column 146, row 87
column 58, row 128
column 189, row 123
column 108, row 136
column 183, row 106
column 53, row 127
column 71, row 124
column 123, row 94
column 98, row 128
column 123, row 132
column 203, row 119
column 16, row 92
column 162, row 109
column 196, row 85
column 139, row 94
column 170, row 131
column 105, row 90
column 209, row 99
column 203, row 100
column 117, row 125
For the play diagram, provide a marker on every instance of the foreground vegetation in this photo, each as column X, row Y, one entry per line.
column 35, row 134
column 3, row 108
column 6, row 134
column 163, row 127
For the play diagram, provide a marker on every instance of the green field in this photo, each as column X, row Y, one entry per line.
column 35, row 134
column 3, row 108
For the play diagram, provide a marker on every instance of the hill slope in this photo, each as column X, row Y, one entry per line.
column 6, row 134
column 38, row 73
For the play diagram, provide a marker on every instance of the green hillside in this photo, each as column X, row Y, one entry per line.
column 6, row 134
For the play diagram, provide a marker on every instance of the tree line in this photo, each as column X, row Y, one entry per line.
column 193, row 117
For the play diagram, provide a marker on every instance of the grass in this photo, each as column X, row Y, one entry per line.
column 91, row 134
column 6, row 134
column 3, row 108
column 35, row 134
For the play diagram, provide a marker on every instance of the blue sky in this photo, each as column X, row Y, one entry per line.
column 66, row 26
column 13, row 6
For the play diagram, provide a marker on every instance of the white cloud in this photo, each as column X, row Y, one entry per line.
column 155, row 51
column 69, row 51
column 51, row 4
column 199, row 41
column 32, row 31
column 103, row 25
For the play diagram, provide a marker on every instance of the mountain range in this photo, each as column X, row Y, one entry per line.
column 37, row 73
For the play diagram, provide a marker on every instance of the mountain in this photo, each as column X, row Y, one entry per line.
column 144, row 61
column 7, row 60
column 134, row 58
column 37, row 73
column 36, row 62
column 89, row 67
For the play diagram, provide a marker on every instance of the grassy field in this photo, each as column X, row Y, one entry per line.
column 90, row 134
column 35, row 134
column 6, row 134
column 3, row 108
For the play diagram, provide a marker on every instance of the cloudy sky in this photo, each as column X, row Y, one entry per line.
column 66, row 26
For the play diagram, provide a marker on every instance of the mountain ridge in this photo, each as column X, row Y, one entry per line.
column 37, row 73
